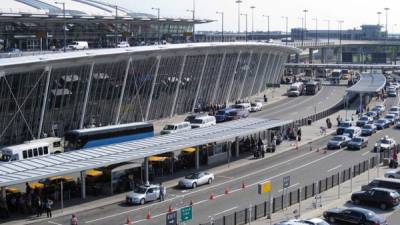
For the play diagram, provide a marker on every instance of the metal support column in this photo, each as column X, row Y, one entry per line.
column 361, row 103
column 152, row 87
column 197, row 158
column 146, row 170
column 200, row 82
column 83, row 184
column 237, row 146
column 85, row 101
column 310, row 55
column 218, row 79
column 323, row 55
column 46, row 92
column 177, row 86
column 121, row 97
column 245, row 75
column 256, row 73
column 229, row 147
column 267, row 71
column 235, row 72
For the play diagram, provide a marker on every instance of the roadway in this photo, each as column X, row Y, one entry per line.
column 304, row 167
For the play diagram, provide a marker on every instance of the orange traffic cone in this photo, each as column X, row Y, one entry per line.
column 170, row 208
column 226, row 191
column 148, row 216
column 212, row 196
column 128, row 220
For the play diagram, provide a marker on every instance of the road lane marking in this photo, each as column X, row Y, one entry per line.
column 216, row 214
column 51, row 222
column 294, row 185
column 226, row 177
column 365, row 153
column 335, row 168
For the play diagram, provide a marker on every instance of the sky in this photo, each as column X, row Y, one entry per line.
column 353, row 12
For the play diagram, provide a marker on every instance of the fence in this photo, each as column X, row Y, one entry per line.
column 294, row 197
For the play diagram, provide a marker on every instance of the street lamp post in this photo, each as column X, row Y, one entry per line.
column 245, row 15
column 379, row 17
column 329, row 29
column 239, row 14
column 287, row 28
column 387, row 32
column 116, row 25
column 305, row 11
column 193, row 11
column 268, row 32
column 340, row 22
column 222, row 25
column 316, row 31
column 252, row 22
column 158, row 22
column 65, row 25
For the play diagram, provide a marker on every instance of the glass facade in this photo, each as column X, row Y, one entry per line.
column 48, row 99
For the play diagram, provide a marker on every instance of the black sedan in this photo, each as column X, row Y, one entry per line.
column 354, row 215
column 384, row 198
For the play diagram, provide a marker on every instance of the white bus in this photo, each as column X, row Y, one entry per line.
column 32, row 149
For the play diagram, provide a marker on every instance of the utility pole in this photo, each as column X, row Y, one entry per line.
column 239, row 14
column 316, row 31
column 252, row 22
column 158, row 22
column 116, row 25
column 287, row 28
column 387, row 32
column 193, row 11
column 222, row 25
column 379, row 18
column 245, row 15
column 65, row 25
column 329, row 29
column 305, row 11
column 268, row 32
column 340, row 22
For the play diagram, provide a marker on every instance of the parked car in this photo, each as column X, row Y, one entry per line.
column 397, row 126
column 143, row 194
column 242, row 106
column 382, row 197
column 192, row 117
column 79, row 45
column 389, row 183
column 384, row 143
column 123, row 44
column 313, row 221
column 256, row 106
column 357, row 143
column 342, row 126
column 338, row 142
column 396, row 115
column 368, row 130
column 392, row 93
column 290, row 222
column 373, row 114
column 391, row 118
column 381, row 108
column 352, row 132
column 238, row 114
column 354, row 215
column 393, row 174
column 196, row 179
column 382, row 124
column 364, row 120
column 394, row 109
column 222, row 115
column 203, row 121
column 176, row 128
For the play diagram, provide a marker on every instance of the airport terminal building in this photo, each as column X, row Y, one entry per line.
column 36, row 25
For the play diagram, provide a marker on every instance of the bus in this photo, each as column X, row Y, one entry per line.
column 336, row 76
column 32, row 149
column 312, row 87
column 100, row 136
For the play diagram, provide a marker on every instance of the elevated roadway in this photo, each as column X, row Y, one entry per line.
column 342, row 66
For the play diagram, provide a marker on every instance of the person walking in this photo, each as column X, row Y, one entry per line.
column 48, row 205
column 74, row 220
column 299, row 134
column 39, row 207
column 162, row 192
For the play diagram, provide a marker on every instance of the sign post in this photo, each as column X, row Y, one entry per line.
column 285, row 186
column 264, row 188
column 186, row 214
column 172, row 218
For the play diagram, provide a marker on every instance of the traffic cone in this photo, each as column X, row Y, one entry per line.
column 148, row 216
column 170, row 209
column 226, row 191
column 212, row 197
column 243, row 185
column 128, row 220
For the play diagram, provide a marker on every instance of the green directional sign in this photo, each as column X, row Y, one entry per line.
column 186, row 214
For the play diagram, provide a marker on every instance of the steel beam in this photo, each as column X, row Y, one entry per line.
column 235, row 72
column 218, row 78
column 152, row 88
column 121, row 98
column 85, row 101
column 44, row 103
column 200, row 82
column 245, row 75
column 177, row 86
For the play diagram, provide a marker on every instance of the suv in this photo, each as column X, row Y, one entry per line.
column 389, row 183
column 384, row 143
column 382, row 197
column 342, row 126
column 143, row 194
column 353, row 215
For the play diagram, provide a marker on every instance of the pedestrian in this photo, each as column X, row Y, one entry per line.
column 162, row 192
column 48, row 205
column 4, row 208
column 27, row 188
column 39, row 207
column 299, row 134
column 74, row 220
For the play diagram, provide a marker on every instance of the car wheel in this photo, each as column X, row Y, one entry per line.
column 332, row 220
column 194, row 185
column 210, row 181
column 357, row 201
column 383, row 206
column 142, row 201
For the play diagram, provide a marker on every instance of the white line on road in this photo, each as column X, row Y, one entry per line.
column 51, row 222
column 225, row 177
column 335, row 168
column 365, row 153
column 216, row 214
column 294, row 185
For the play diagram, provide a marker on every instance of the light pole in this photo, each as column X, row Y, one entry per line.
column 239, row 14
column 193, row 11
column 340, row 22
column 329, row 29
column 305, row 11
column 379, row 17
column 387, row 11
column 269, row 37
column 65, row 25
column 316, row 31
column 245, row 15
column 287, row 28
column 252, row 22
column 222, row 25
column 158, row 22
column 116, row 25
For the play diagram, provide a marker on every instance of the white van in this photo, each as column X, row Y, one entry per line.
column 242, row 106
column 352, row 132
column 79, row 45
column 176, row 128
column 203, row 121
column 32, row 149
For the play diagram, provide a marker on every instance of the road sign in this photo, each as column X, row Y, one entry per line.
column 172, row 218
column 264, row 187
column 286, row 182
column 186, row 213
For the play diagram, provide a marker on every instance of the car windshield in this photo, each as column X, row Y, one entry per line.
column 294, row 88
column 253, row 104
column 345, row 124
column 192, row 176
column 169, row 127
column 5, row 158
column 385, row 141
column 190, row 118
column 234, row 113
column 381, row 121
column 221, row 113
column 364, row 118
column 357, row 140
column 141, row 190
column 389, row 116
column 337, row 138
column 198, row 121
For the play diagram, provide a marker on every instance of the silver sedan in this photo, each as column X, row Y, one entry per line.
column 196, row 179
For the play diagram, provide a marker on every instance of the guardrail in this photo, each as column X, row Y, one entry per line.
column 286, row 200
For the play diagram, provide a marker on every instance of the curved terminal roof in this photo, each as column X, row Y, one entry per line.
column 369, row 83
column 17, row 172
